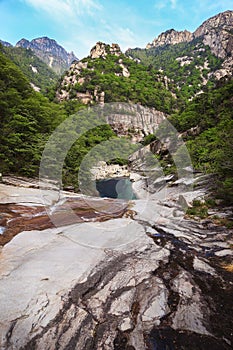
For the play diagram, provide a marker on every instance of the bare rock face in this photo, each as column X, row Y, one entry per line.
column 135, row 123
column 102, row 50
column 171, row 37
column 217, row 34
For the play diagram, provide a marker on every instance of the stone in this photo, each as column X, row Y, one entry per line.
column 171, row 37
column 104, row 171
column 50, row 52
column 102, row 50
column 126, row 325
column 190, row 311
column 224, row 252
column 108, row 283
column 202, row 266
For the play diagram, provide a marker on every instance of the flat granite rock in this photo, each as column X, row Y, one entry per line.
column 38, row 268
column 147, row 279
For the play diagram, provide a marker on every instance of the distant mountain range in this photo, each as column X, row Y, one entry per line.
column 49, row 51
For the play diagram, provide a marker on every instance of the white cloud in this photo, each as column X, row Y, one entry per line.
column 173, row 3
column 65, row 8
column 159, row 5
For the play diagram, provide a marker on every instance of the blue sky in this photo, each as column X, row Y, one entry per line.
column 78, row 24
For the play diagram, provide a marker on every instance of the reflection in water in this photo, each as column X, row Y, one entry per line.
column 116, row 188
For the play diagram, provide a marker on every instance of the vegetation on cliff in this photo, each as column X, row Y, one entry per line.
column 186, row 64
column 121, row 79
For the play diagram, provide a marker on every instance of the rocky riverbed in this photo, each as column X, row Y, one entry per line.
column 134, row 275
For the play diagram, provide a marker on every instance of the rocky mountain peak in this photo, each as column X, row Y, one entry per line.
column 217, row 33
column 102, row 50
column 49, row 51
column 171, row 37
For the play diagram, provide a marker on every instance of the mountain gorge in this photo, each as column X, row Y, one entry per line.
column 148, row 269
column 179, row 76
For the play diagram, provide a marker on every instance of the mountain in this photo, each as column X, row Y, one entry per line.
column 41, row 77
column 5, row 43
column 192, row 60
column 50, row 52
column 107, row 75
column 216, row 32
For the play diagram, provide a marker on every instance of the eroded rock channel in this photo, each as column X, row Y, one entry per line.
column 146, row 279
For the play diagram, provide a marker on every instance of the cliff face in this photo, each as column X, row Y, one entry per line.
column 217, row 33
column 135, row 122
column 171, row 37
column 49, row 51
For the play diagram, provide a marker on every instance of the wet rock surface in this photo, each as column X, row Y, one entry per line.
column 152, row 281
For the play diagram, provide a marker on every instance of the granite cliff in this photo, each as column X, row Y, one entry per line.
column 171, row 37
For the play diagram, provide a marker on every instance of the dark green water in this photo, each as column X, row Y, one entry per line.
column 116, row 188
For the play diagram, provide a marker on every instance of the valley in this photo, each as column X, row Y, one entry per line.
column 116, row 193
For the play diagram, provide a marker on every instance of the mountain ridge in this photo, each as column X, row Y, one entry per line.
column 192, row 60
column 222, row 21
column 50, row 52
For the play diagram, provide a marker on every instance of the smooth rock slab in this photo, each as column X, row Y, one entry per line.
column 38, row 268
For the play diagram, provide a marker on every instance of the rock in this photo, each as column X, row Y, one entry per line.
column 189, row 315
column 171, row 37
column 158, row 307
column 45, row 291
column 135, row 121
column 224, row 252
column 126, row 325
column 202, row 266
column 216, row 34
column 102, row 50
column 102, row 285
column 103, row 171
